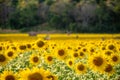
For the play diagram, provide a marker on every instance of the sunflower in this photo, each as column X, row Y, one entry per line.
column 22, row 48
column 49, row 58
column 70, row 63
column 97, row 62
column 61, row 53
column 82, row 54
column 8, row 75
column 109, row 70
column 115, row 59
column 34, row 59
column 40, row 43
column 108, row 53
column 3, row 59
column 80, row 68
column 10, row 53
column 34, row 74
column 111, row 47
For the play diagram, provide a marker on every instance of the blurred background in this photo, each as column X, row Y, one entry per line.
column 60, row 16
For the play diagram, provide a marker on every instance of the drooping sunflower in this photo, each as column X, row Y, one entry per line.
column 80, row 68
column 97, row 62
column 52, row 77
column 8, row 75
column 34, row 74
column 3, row 59
column 34, row 59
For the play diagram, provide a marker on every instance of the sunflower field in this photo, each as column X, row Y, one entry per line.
column 60, row 57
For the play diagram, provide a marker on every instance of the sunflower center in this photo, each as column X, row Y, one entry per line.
column 81, row 67
column 111, row 47
column 81, row 54
column 22, row 47
column 10, row 53
column 114, row 58
column 14, row 48
column 109, row 68
column 98, row 61
column 35, row 59
column 92, row 50
column 35, row 76
column 61, row 52
column 40, row 43
column 75, row 54
column 84, row 50
column 70, row 63
column 108, row 53
column 28, row 45
column 2, row 58
column 0, row 48
column 49, row 58
column 9, row 77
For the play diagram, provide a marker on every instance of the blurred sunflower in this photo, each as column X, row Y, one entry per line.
column 109, row 70
column 97, row 62
column 3, row 59
column 61, row 53
column 34, row 59
column 115, row 58
column 111, row 47
column 22, row 48
column 40, row 43
column 70, row 62
column 8, row 75
column 34, row 74
column 80, row 68
column 10, row 54
column 49, row 58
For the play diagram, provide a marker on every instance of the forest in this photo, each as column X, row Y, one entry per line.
column 76, row 16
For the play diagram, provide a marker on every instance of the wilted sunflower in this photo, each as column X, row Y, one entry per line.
column 34, row 59
column 34, row 74
column 97, row 62
column 80, row 68
column 8, row 75
column 3, row 59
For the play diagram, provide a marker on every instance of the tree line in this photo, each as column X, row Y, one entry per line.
column 96, row 16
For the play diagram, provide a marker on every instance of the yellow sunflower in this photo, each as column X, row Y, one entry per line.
column 40, row 44
column 111, row 47
column 49, row 58
column 70, row 62
column 22, row 47
column 8, row 75
column 10, row 53
column 3, row 59
column 109, row 70
column 34, row 59
column 97, row 62
column 80, row 68
column 34, row 74
column 115, row 58
column 61, row 53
